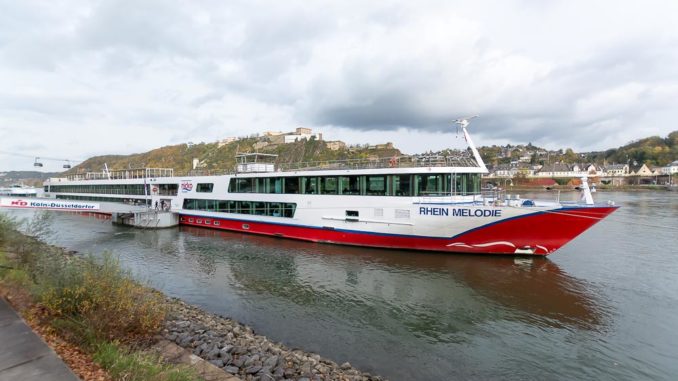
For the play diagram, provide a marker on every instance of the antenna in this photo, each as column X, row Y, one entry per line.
column 463, row 123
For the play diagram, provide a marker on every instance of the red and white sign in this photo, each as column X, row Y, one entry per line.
column 47, row 204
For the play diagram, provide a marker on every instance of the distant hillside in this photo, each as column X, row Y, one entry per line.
column 33, row 178
column 654, row 151
column 212, row 157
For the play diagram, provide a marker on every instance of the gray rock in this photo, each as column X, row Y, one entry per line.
column 289, row 372
column 346, row 366
column 226, row 349
column 185, row 342
column 271, row 362
column 218, row 363
column 171, row 337
column 239, row 361
column 266, row 376
column 232, row 369
column 306, row 369
column 213, row 354
column 251, row 360
column 253, row 369
column 304, row 379
column 226, row 358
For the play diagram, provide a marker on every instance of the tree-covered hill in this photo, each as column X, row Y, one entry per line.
column 653, row 151
column 214, row 158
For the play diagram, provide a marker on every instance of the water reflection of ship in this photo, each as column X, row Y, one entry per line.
column 432, row 295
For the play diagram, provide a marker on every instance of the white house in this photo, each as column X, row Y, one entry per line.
column 670, row 169
column 617, row 170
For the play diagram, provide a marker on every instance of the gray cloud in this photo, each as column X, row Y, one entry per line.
column 146, row 74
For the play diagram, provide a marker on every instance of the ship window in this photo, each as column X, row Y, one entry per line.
column 350, row 185
column 402, row 185
column 376, row 185
column 204, row 188
column 223, row 206
column 216, row 223
column 189, row 204
column 289, row 210
column 244, row 185
column 429, row 185
column 310, row 185
column 259, row 208
column 275, row 185
column 232, row 206
column 328, row 185
column 245, row 207
column 168, row 189
column 275, row 209
column 352, row 213
column 261, row 184
column 291, row 185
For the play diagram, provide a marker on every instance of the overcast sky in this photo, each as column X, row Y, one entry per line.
column 84, row 78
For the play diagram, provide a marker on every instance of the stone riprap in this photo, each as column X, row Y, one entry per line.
column 236, row 349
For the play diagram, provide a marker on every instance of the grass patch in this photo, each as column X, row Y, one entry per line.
column 138, row 366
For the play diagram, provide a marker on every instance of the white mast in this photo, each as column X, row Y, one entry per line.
column 463, row 123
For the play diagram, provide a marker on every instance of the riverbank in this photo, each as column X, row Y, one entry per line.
column 238, row 350
column 232, row 347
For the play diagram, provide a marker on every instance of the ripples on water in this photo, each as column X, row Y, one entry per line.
column 603, row 307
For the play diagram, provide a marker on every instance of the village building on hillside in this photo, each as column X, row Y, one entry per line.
column 617, row 170
column 299, row 134
column 556, row 170
column 225, row 141
column 642, row 170
column 388, row 145
column 336, row 145
column 670, row 169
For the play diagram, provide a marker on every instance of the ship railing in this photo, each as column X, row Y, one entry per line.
column 123, row 174
column 462, row 159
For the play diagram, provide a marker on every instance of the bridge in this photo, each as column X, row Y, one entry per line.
column 122, row 213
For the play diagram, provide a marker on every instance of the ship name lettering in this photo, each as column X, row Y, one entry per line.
column 459, row 212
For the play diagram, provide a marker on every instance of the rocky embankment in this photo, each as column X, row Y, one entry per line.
column 236, row 349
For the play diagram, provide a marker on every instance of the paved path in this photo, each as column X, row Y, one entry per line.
column 23, row 354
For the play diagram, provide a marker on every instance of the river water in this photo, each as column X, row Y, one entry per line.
column 604, row 307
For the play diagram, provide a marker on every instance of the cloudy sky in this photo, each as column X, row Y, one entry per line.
column 83, row 78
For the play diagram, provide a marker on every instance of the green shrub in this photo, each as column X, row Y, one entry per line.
column 101, row 294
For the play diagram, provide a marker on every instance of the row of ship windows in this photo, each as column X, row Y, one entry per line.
column 366, row 185
column 261, row 208
column 132, row 201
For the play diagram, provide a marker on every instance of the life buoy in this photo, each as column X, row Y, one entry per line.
column 392, row 163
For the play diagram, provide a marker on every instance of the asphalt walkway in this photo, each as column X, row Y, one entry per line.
column 23, row 354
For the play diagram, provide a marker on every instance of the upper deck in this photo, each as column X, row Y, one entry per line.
column 459, row 162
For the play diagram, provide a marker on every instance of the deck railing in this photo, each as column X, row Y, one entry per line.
column 459, row 159
column 123, row 174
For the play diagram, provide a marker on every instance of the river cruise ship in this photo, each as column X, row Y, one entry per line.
column 431, row 203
